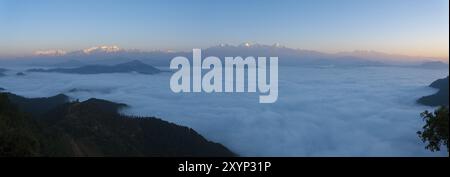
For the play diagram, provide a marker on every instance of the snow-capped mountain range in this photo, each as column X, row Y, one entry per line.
column 87, row 51
column 113, row 54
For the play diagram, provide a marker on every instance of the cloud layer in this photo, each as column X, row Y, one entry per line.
column 361, row 111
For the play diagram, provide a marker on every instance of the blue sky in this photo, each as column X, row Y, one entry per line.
column 412, row 27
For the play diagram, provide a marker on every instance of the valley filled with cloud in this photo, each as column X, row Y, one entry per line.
column 332, row 111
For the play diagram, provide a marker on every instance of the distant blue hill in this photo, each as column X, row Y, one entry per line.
column 434, row 65
column 132, row 66
column 69, row 64
column 2, row 72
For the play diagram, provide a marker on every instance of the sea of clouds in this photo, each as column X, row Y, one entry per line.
column 349, row 111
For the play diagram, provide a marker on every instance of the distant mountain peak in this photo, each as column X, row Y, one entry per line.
column 51, row 52
column 87, row 51
column 248, row 44
column 223, row 45
column 106, row 49
column 278, row 45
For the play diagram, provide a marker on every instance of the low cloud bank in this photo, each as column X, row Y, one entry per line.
column 361, row 111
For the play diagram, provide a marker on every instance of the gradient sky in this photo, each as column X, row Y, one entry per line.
column 411, row 27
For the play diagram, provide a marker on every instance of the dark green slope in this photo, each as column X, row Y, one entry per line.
column 18, row 133
column 95, row 128
column 37, row 106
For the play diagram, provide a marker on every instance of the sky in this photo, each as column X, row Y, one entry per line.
column 408, row 27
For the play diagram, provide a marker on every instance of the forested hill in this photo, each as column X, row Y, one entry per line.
column 91, row 128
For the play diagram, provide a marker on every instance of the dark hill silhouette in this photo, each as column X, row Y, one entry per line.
column 19, row 135
column 440, row 83
column 132, row 66
column 37, row 106
column 92, row 128
column 441, row 97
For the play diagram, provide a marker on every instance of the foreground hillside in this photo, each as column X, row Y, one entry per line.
column 54, row 127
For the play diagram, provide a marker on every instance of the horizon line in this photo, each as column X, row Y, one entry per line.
column 244, row 44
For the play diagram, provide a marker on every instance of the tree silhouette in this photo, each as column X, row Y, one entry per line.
column 435, row 131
